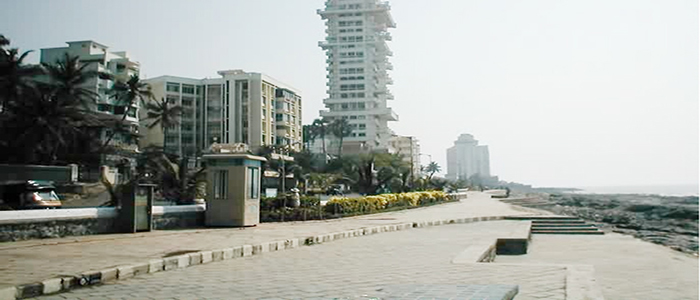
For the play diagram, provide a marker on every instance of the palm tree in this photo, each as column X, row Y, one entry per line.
column 127, row 93
column 53, row 116
column 163, row 114
column 38, row 128
column 432, row 168
column 340, row 128
column 68, row 78
column 177, row 182
column 320, row 127
column 309, row 134
column 15, row 77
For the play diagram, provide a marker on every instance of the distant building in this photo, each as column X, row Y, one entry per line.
column 467, row 158
column 409, row 148
column 99, row 58
column 357, row 57
column 239, row 107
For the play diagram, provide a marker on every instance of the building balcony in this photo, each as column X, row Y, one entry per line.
column 385, row 113
column 284, row 124
column 386, row 36
column 344, row 100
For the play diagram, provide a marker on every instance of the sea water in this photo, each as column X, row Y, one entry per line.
column 661, row 190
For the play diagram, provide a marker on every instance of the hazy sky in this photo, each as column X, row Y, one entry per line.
column 565, row 93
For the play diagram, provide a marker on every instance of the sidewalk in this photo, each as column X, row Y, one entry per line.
column 37, row 260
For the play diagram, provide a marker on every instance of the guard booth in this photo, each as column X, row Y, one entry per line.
column 233, row 186
column 136, row 213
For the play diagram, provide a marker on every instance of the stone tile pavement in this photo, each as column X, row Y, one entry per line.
column 625, row 267
column 37, row 260
column 358, row 268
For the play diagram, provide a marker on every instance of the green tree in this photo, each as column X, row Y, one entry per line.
column 319, row 128
column 340, row 128
column 15, row 76
column 279, row 165
column 432, row 168
column 164, row 115
column 39, row 128
column 323, row 181
column 438, row 184
column 53, row 118
column 68, row 78
column 309, row 134
column 127, row 94
column 177, row 182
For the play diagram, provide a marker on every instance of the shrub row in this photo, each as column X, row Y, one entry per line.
column 271, row 203
column 271, row 208
column 370, row 204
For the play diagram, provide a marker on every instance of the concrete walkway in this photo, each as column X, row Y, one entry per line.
column 37, row 260
column 625, row 267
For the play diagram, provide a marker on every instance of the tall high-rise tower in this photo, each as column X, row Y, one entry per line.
column 357, row 56
column 467, row 158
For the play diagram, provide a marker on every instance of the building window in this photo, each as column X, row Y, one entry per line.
column 187, row 89
column 361, row 134
column 352, row 87
column 220, row 184
column 254, row 186
column 186, row 101
column 172, row 87
column 362, row 126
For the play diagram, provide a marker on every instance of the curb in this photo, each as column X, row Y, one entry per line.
column 66, row 283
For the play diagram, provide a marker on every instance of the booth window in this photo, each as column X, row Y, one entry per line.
column 220, row 184
column 254, row 183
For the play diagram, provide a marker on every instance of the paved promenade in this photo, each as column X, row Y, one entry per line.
column 625, row 267
column 357, row 268
column 37, row 260
column 570, row 267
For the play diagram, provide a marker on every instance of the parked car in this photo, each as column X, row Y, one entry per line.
column 28, row 194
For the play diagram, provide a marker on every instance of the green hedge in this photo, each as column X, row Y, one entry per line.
column 271, row 209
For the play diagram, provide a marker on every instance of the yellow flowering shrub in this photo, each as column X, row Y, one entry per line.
column 366, row 204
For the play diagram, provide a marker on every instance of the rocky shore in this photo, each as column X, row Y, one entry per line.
column 665, row 220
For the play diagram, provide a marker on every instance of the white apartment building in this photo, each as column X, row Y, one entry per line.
column 99, row 58
column 467, row 158
column 238, row 107
column 409, row 148
column 357, row 57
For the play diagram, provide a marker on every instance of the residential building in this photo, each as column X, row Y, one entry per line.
column 99, row 58
column 238, row 107
column 408, row 147
column 467, row 158
column 357, row 57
